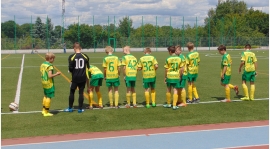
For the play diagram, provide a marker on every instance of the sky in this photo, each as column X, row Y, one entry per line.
column 160, row 12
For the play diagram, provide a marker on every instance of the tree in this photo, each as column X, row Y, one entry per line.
column 39, row 29
column 125, row 26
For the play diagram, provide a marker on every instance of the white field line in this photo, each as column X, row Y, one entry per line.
column 139, row 106
column 18, row 91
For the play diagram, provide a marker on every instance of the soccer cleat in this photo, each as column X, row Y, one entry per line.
column 117, row 107
column 196, row 100
column 80, row 110
column 111, row 106
column 167, row 106
column 147, row 106
column 47, row 114
column 182, row 105
column 154, row 104
column 245, row 98
column 175, row 107
column 251, row 99
column 43, row 112
column 90, row 108
column 68, row 110
column 127, row 106
column 134, row 106
column 189, row 101
column 225, row 100
column 100, row 107
column 236, row 89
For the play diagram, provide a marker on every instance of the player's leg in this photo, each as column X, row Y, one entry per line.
column 81, row 99
column 225, row 83
column 109, row 85
column 128, row 94
column 99, row 96
column 183, row 93
column 43, row 104
column 175, row 95
column 48, row 103
column 168, row 96
column 153, row 93
column 73, row 87
column 252, row 86
column 133, row 94
column 194, row 89
column 189, row 100
column 91, row 97
column 235, row 88
column 116, row 93
column 245, row 77
column 146, row 94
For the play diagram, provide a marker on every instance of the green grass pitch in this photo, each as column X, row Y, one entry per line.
column 208, row 86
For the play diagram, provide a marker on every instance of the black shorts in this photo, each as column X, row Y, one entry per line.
column 80, row 85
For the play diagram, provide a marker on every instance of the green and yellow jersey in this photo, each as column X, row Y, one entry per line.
column 193, row 60
column 111, row 63
column 131, row 64
column 226, row 61
column 249, row 58
column 47, row 83
column 184, row 61
column 94, row 72
column 147, row 63
column 173, row 65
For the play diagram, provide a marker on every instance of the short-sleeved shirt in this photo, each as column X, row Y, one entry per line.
column 226, row 61
column 249, row 58
column 183, row 59
column 78, row 66
column 173, row 64
column 131, row 64
column 47, row 82
column 95, row 72
column 147, row 63
column 193, row 60
column 111, row 63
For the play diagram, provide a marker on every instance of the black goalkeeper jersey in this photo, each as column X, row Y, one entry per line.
column 78, row 66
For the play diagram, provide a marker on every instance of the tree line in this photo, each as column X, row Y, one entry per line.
column 231, row 18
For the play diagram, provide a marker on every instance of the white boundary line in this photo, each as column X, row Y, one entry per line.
column 243, row 146
column 126, row 136
column 139, row 106
column 18, row 91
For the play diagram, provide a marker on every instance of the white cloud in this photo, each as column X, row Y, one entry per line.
column 101, row 9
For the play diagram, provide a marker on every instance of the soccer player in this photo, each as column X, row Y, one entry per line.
column 226, row 66
column 129, row 63
column 148, row 64
column 193, row 60
column 96, row 81
column 172, row 66
column 183, row 79
column 78, row 67
column 47, row 80
column 111, row 65
column 249, row 60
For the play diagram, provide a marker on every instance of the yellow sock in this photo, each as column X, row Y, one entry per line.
column 183, row 96
column 153, row 96
column 252, row 90
column 227, row 93
column 47, row 105
column 179, row 95
column 91, row 99
column 194, row 90
column 111, row 98
column 190, row 92
column 43, row 104
column 175, row 98
column 245, row 90
column 134, row 98
column 128, row 98
column 147, row 98
column 116, row 98
column 99, row 99
column 168, row 97
column 231, row 86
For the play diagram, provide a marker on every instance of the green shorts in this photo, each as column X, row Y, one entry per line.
column 183, row 83
column 192, row 77
column 49, row 94
column 249, row 76
column 174, row 85
column 226, row 80
column 130, row 83
column 96, row 82
column 114, row 83
column 149, row 84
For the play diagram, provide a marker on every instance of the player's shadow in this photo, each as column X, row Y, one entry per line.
column 108, row 104
column 85, row 106
column 55, row 111
column 143, row 103
column 219, row 98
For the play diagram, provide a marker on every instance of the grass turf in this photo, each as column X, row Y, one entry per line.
column 208, row 85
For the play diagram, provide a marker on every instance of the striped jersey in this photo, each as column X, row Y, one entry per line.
column 249, row 58
column 47, row 83
column 147, row 63
column 193, row 60
column 131, row 64
column 94, row 72
column 111, row 63
column 173, row 65
column 226, row 61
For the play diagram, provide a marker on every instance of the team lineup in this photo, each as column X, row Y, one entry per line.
column 179, row 69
